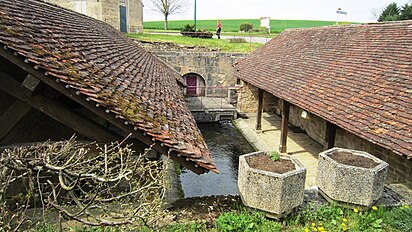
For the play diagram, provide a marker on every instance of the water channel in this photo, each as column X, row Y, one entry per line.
column 225, row 144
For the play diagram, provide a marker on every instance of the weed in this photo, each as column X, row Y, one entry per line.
column 246, row 222
column 189, row 227
column 399, row 218
column 44, row 227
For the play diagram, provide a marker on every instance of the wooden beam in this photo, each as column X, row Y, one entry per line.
column 10, row 118
column 70, row 93
column 330, row 136
column 259, row 110
column 57, row 111
column 284, row 126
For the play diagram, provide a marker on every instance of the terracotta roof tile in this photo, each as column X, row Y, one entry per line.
column 357, row 76
column 106, row 67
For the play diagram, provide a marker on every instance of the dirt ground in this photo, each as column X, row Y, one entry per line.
column 203, row 208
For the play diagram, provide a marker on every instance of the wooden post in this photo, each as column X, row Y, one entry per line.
column 259, row 110
column 330, row 136
column 284, row 126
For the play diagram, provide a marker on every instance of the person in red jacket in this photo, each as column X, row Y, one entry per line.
column 218, row 29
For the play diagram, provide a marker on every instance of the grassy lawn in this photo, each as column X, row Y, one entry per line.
column 223, row 45
column 232, row 25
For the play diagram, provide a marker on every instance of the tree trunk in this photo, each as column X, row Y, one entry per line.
column 166, row 23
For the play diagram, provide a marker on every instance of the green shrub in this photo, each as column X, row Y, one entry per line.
column 246, row 27
column 246, row 222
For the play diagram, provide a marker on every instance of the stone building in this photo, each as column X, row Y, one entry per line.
column 63, row 73
column 124, row 15
column 345, row 86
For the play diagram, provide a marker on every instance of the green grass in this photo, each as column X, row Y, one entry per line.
column 223, row 45
column 232, row 25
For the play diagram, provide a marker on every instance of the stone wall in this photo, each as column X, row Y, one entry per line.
column 248, row 100
column 215, row 67
column 136, row 16
column 111, row 13
column 108, row 11
column 400, row 168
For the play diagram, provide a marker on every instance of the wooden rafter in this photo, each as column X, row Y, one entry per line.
column 13, row 115
column 57, row 111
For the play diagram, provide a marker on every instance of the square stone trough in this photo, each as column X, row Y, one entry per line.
column 271, row 192
column 350, row 184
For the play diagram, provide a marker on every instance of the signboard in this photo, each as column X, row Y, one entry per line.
column 341, row 12
column 265, row 22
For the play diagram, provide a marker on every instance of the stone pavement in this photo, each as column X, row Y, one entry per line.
column 299, row 145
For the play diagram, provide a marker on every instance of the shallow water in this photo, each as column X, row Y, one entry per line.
column 225, row 144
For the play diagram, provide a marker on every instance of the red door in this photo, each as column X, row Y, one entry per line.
column 191, row 81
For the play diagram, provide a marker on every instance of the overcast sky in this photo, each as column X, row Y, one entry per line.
column 358, row 10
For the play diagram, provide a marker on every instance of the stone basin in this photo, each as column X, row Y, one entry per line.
column 350, row 184
column 271, row 192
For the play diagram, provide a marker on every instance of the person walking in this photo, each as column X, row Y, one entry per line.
column 218, row 29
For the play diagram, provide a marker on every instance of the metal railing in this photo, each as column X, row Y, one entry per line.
column 216, row 97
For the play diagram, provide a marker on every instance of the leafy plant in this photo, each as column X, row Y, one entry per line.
column 367, row 221
column 188, row 28
column 274, row 155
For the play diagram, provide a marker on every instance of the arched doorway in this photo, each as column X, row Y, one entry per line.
column 195, row 85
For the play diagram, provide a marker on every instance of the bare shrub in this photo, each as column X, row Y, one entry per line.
column 104, row 186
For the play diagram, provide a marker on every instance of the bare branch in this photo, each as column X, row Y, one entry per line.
column 168, row 7
column 86, row 186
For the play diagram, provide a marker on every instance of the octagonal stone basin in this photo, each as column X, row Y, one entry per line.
column 350, row 184
column 271, row 192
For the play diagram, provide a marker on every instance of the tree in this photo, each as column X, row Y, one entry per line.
column 406, row 12
column 390, row 13
column 168, row 7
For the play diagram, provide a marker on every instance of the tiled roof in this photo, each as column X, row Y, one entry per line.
column 357, row 76
column 105, row 67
